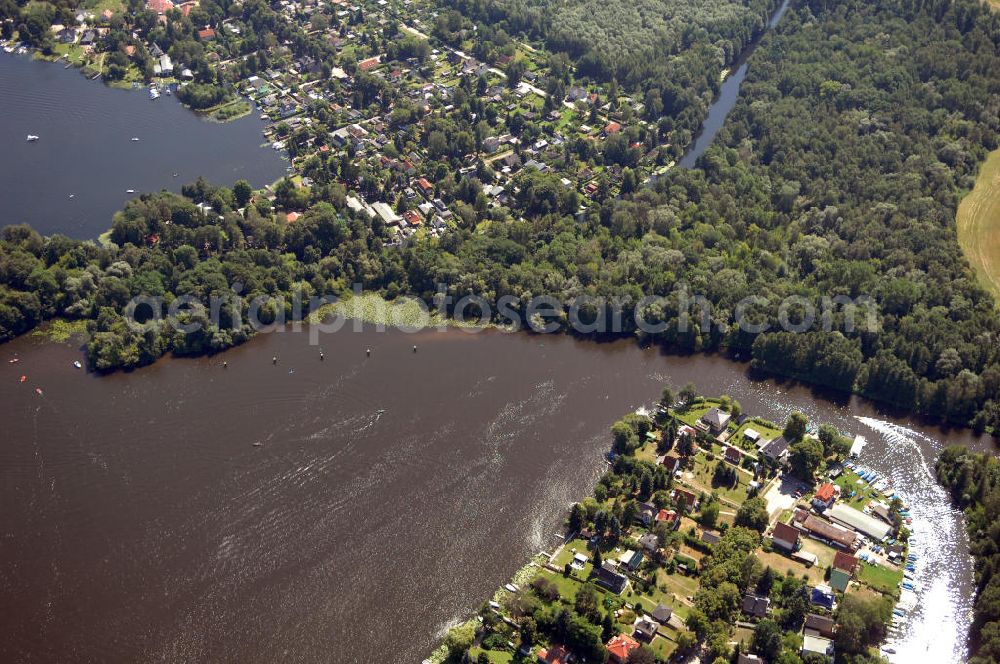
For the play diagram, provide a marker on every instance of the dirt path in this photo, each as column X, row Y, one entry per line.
column 978, row 222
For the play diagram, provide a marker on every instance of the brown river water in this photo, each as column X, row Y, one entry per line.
column 388, row 496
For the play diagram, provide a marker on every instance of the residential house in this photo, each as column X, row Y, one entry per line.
column 756, row 606
column 612, row 128
column 715, row 421
column 646, row 513
column 649, row 542
column 88, row 38
column 576, row 93
column 620, row 647
column 645, row 629
column 425, row 187
column 630, row 560
column 66, row 35
column 752, row 435
column 776, row 451
column 661, row 614
column 710, row 537
column 668, row 517
column 686, row 498
column 413, row 218
column 554, row 655
column 609, row 577
column 370, row 63
column 206, row 34
column 166, row 65
column 671, row 463
column 839, row 580
column 161, row 7
column 821, row 625
column 743, row 658
column 817, row 645
column 822, row 595
column 733, row 454
column 825, row 495
column 785, row 537
column 846, row 562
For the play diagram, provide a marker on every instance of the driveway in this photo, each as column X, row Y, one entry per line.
column 781, row 495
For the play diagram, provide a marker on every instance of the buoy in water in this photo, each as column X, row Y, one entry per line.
column 225, row 365
column 24, row 378
column 274, row 360
column 414, row 348
column 321, row 355
column 368, row 352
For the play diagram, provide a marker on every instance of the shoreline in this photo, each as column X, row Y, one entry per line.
column 405, row 313
column 20, row 49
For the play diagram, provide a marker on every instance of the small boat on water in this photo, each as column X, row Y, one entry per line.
column 72, row 195
column 77, row 364
column 135, row 139
column 38, row 391
column 32, row 138
column 154, row 93
column 258, row 444
column 14, row 361
column 24, row 378
column 130, row 191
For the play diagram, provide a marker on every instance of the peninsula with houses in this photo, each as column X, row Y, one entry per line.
column 713, row 534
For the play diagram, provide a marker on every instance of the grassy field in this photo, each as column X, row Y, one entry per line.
column 882, row 579
column 979, row 223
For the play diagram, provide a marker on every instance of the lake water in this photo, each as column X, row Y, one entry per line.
column 728, row 94
column 85, row 148
column 389, row 495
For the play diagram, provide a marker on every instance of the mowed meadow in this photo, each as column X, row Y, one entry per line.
column 979, row 224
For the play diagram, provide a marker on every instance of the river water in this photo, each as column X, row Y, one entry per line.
column 85, row 148
column 729, row 92
column 388, row 496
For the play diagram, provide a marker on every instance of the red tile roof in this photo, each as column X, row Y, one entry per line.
column 666, row 515
column 785, row 533
column 554, row 655
column 292, row 216
column 612, row 128
column 206, row 34
column 370, row 63
column 619, row 647
column 687, row 497
column 159, row 6
column 845, row 561
column 825, row 492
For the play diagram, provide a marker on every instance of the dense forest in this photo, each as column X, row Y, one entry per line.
column 974, row 483
column 838, row 173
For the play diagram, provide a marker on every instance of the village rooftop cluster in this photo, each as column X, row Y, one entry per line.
column 683, row 482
